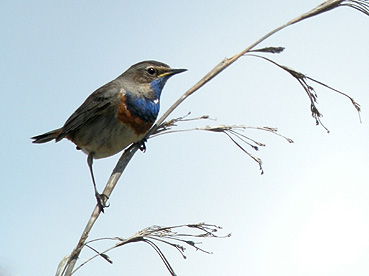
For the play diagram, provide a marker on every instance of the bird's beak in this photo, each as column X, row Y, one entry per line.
column 172, row 72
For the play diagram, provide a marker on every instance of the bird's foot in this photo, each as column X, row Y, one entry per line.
column 142, row 145
column 102, row 201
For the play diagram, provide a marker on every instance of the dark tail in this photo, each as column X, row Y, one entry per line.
column 46, row 137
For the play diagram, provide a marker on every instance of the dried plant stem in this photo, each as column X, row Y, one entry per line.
column 327, row 5
column 302, row 79
column 178, row 237
column 68, row 263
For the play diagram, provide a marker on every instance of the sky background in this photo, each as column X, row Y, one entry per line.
column 307, row 215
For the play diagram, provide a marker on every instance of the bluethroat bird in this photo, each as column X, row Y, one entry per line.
column 116, row 115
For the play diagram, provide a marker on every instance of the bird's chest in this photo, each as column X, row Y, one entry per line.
column 138, row 114
column 105, row 136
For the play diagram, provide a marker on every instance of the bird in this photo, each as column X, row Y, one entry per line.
column 115, row 115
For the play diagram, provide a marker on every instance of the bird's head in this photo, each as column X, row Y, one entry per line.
column 147, row 78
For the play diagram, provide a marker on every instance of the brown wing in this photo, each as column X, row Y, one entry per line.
column 93, row 106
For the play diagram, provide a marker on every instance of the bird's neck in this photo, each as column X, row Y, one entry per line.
column 143, row 108
column 157, row 86
column 146, row 106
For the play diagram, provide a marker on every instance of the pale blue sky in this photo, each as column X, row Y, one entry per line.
column 307, row 215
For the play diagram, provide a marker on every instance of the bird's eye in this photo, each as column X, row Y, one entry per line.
column 151, row 71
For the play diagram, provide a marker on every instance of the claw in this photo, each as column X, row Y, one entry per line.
column 102, row 201
column 142, row 145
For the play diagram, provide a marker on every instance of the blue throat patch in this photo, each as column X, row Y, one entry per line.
column 143, row 108
column 157, row 86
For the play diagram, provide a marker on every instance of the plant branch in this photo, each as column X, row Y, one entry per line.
column 173, row 236
column 302, row 78
column 66, row 266
column 231, row 131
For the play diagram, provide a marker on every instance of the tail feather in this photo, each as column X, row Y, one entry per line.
column 46, row 137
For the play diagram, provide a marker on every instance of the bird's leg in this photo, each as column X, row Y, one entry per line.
column 141, row 145
column 101, row 198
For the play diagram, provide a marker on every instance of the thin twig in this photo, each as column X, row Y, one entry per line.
column 301, row 78
column 66, row 266
column 160, row 234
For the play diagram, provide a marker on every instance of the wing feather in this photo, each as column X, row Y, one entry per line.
column 97, row 103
